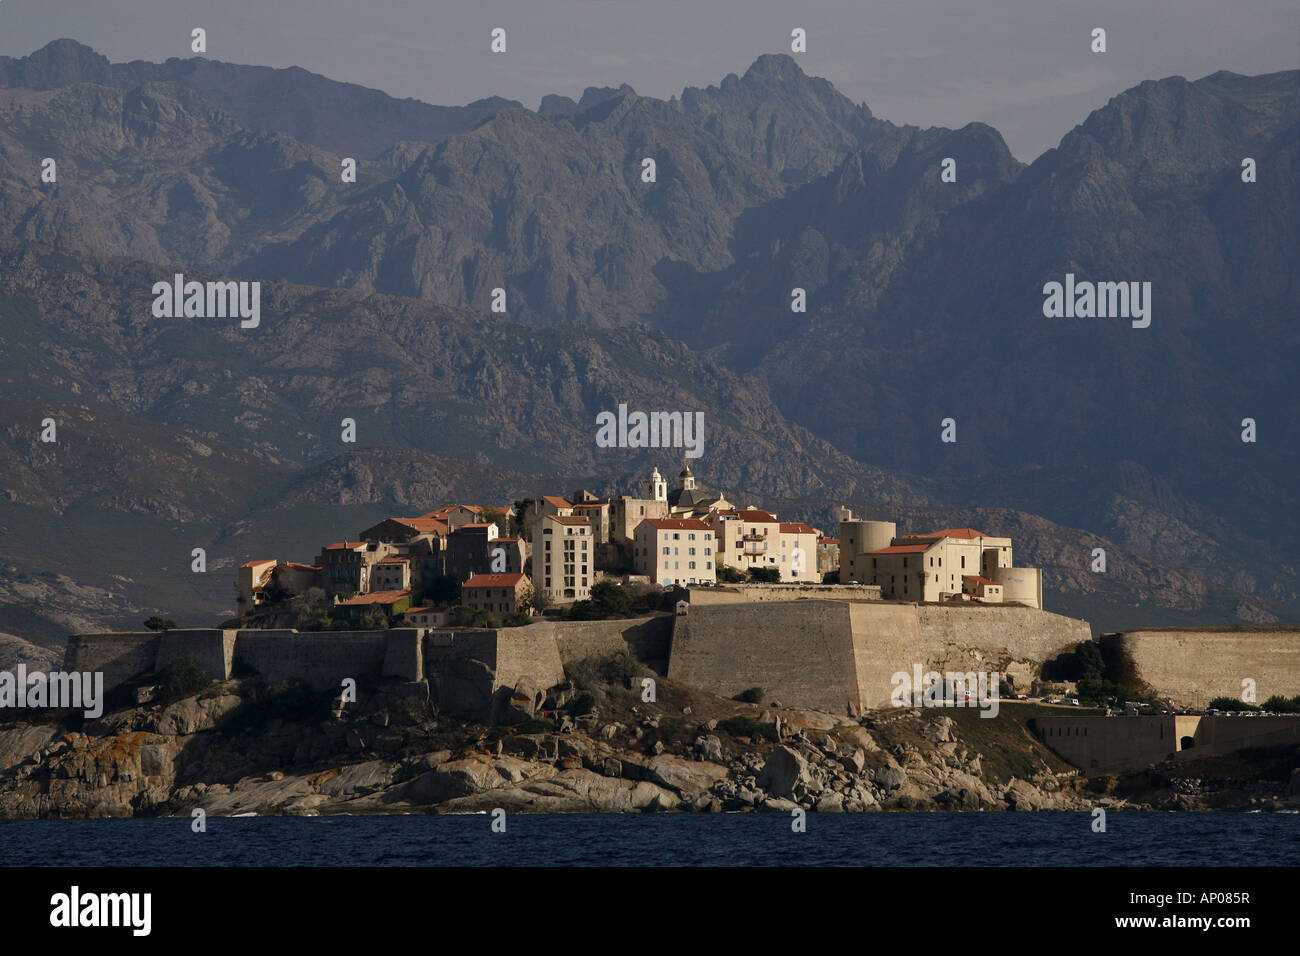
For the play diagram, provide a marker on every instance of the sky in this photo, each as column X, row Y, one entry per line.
column 1022, row 66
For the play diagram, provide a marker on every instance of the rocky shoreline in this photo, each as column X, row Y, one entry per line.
column 240, row 747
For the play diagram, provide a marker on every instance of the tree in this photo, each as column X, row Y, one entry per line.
column 610, row 598
column 765, row 575
column 157, row 623
column 502, row 519
column 311, row 609
column 729, row 575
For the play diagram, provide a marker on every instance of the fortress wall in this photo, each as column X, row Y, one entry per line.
column 212, row 648
column 648, row 639
column 1024, row 633
column 1112, row 743
column 1134, row 743
column 749, row 593
column 800, row 653
column 529, row 652
column 831, row 655
column 461, row 667
column 404, row 654
column 120, row 657
column 321, row 659
column 886, row 639
column 1192, row 666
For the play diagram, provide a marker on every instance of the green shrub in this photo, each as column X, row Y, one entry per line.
column 592, row 672
column 182, row 678
column 1283, row 705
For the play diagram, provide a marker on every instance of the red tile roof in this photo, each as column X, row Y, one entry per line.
column 558, row 502
column 979, row 579
column 906, row 548
column 249, row 564
column 301, row 567
column 427, row 609
column 424, row 525
column 377, row 597
column 677, row 524
column 756, row 516
column 492, row 581
column 796, row 527
column 570, row 519
column 828, row 540
column 394, row 558
column 345, row 546
column 955, row 533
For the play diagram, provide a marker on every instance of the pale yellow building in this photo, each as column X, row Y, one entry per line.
column 564, row 554
column 673, row 551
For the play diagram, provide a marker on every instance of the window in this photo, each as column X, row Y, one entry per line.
column 963, row 562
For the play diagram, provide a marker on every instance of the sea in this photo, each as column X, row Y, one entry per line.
column 1178, row 839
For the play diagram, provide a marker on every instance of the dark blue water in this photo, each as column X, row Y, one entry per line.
column 880, row 839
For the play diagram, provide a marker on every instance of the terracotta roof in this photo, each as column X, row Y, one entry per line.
column 979, row 579
column 505, row 539
column 756, row 516
column 250, row 564
column 796, row 527
column 475, row 524
column 394, row 558
column 595, row 504
column 569, row 519
column 677, row 524
column 424, row 525
column 906, row 548
column 377, row 597
column 427, row 609
column 492, row 581
column 956, row 533
column 345, row 546
column 301, row 567
column 558, row 502
column 828, row 540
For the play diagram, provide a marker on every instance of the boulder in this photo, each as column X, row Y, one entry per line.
column 785, row 768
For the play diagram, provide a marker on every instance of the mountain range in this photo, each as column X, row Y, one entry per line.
column 924, row 302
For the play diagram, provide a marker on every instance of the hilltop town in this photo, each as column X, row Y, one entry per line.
column 476, row 565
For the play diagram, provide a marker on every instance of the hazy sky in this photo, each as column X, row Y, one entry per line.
column 1023, row 66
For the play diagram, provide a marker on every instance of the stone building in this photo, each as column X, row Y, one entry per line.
column 501, row 594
